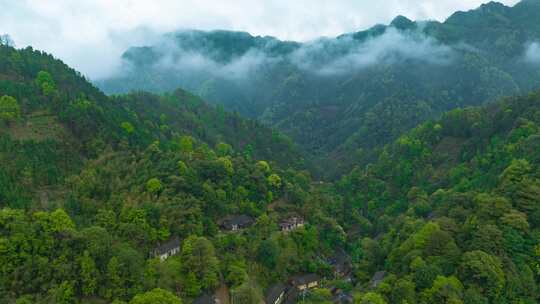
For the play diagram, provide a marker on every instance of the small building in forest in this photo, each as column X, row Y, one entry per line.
column 291, row 224
column 236, row 222
column 167, row 249
column 305, row 281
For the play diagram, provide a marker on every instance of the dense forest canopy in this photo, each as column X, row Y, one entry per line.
column 343, row 98
column 163, row 198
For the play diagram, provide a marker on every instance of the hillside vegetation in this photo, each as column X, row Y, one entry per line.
column 93, row 187
column 342, row 99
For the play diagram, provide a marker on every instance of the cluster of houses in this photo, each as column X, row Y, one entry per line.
column 235, row 223
column 297, row 286
column 291, row 224
column 232, row 223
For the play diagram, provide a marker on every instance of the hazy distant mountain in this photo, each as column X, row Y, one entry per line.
column 356, row 91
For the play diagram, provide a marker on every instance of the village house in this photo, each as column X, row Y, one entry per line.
column 291, row 224
column 167, row 249
column 341, row 263
column 299, row 286
column 236, row 222
column 305, row 281
column 275, row 294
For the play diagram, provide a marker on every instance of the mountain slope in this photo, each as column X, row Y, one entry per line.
column 338, row 88
column 66, row 114
column 90, row 185
column 450, row 210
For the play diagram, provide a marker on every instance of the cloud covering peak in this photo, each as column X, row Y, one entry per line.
column 91, row 35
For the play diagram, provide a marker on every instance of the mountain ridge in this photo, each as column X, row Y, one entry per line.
column 291, row 85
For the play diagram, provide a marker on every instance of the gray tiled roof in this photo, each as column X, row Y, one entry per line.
column 167, row 246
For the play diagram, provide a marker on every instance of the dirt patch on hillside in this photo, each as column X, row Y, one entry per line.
column 37, row 126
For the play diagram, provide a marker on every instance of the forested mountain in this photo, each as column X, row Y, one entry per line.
column 343, row 98
column 146, row 198
column 451, row 209
column 90, row 185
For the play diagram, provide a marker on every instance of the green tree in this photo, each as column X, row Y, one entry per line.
column 248, row 293
column 263, row 166
column 127, row 127
column 89, row 275
column 484, row 270
column 223, row 149
column 186, row 144
column 191, row 287
column 319, row 296
column 403, row 291
column 236, row 274
column 371, row 298
column 9, row 109
column 268, row 252
column 274, row 180
column 537, row 259
column 198, row 257
column 46, row 83
column 182, row 168
column 60, row 221
column 64, row 294
column 447, row 290
column 115, row 282
column 226, row 164
column 153, row 185
column 156, row 296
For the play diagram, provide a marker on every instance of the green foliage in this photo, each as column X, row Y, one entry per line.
column 186, row 144
column 247, row 293
column 9, row 109
column 199, row 264
column 484, row 270
column 46, row 83
column 127, row 127
column 236, row 274
column 263, row 166
column 371, row 298
column 444, row 290
column 89, row 275
column 223, row 149
column 153, row 185
column 449, row 210
column 156, row 296
column 319, row 296
column 334, row 110
column 274, row 180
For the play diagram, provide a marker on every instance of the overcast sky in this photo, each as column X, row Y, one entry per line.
column 90, row 35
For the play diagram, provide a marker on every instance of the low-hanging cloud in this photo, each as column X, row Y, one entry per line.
column 180, row 60
column 532, row 53
column 91, row 35
column 341, row 56
column 323, row 57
